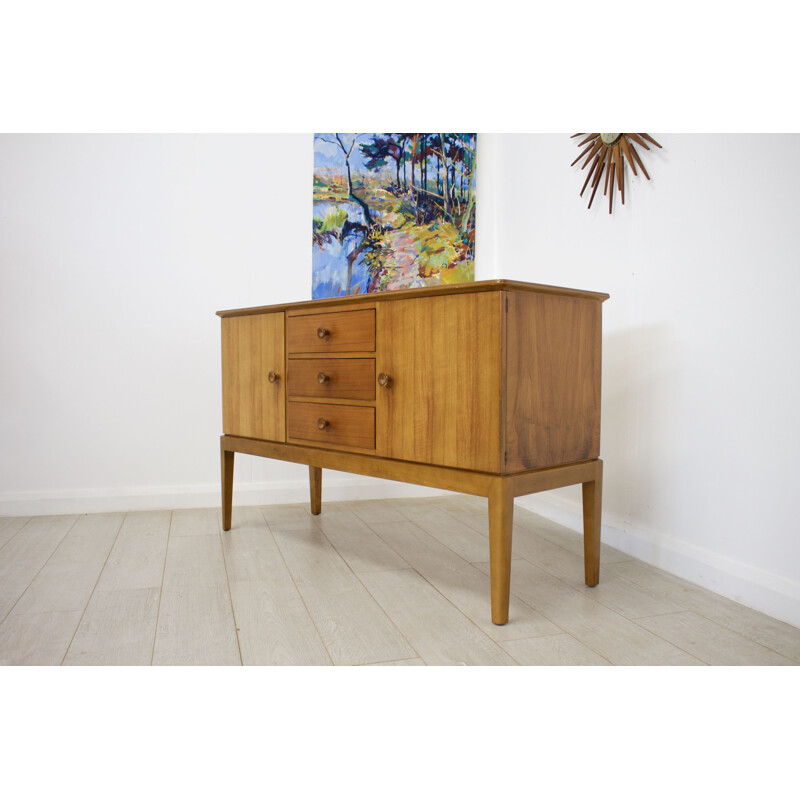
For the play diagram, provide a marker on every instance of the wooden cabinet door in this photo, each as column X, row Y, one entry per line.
column 252, row 348
column 443, row 355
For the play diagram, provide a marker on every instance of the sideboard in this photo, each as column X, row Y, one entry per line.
column 489, row 388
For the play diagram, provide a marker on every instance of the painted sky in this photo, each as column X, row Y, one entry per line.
column 330, row 155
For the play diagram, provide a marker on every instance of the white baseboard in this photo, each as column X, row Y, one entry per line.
column 149, row 498
column 756, row 588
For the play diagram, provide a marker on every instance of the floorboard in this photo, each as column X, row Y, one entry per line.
column 272, row 622
column 117, row 629
column 465, row 586
column 749, row 623
column 10, row 527
column 710, row 642
column 37, row 639
column 196, row 627
column 137, row 559
column 562, row 650
column 23, row 556
column 437, row 630
column 354, row 628
column 66, row 581
column 397, row 582
column 617, row 639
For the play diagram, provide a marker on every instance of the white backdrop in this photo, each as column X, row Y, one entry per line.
column 115, row 252
column 701, row 376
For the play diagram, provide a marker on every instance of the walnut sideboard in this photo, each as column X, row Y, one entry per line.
column 489, row 388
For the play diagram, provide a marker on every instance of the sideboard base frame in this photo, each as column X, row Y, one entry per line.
column 499, row 489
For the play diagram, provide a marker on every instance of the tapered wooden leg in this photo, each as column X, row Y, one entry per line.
column 501, row 520
column 315, row 483
column 592, row 508
column 227, row 488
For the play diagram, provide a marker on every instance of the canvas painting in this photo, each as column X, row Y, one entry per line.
column 392, row 211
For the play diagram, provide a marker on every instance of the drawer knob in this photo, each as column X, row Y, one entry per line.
column 272, row 377
column 384, row 380
column 323, row 332
column 322, row 377
column 322, row 423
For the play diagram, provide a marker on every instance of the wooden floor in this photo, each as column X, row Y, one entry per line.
column 385, row 582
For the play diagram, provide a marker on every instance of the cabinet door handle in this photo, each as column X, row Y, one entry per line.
column 322, row 423
column 323, row 378
column 272, row 377
column 384, row 380
column 323, row 332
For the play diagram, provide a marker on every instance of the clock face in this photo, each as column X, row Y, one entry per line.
column 607, row 153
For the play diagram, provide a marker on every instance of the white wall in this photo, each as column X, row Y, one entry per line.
column 701, row 376
column 115, row 252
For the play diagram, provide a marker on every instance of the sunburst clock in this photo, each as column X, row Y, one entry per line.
column 607, row 153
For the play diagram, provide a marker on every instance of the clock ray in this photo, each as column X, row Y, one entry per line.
column 608, row 153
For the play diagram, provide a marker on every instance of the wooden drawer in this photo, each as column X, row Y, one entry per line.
column 334, row 332
column 353, row 426
column 344, row 378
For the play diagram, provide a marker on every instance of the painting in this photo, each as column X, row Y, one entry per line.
column 392, row 211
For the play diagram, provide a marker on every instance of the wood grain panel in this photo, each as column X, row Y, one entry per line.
column 370, row 300
column 443, row 403
column 346, row 331
column 252, row 347
column 347, row 425
column 454, row 480
column 346, row 378
column 553, row 354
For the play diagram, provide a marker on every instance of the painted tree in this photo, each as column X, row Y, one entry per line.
column 468, row 143
column 381, row 148
column 414, row 153
column 443, row 154
column 360, row 233
column 347, row 152
column 467, row 161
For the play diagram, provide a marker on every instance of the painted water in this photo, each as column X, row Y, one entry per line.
column 333, row 274
column 392, row 211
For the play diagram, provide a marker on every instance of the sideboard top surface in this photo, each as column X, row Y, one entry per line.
column 429, row 291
